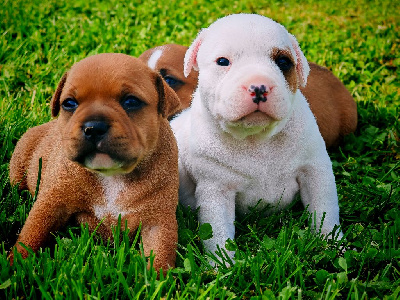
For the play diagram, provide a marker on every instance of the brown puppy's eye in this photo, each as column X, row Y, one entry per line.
column 172, row 81
column 284, row 63
column 70, row 104
column 132, row 103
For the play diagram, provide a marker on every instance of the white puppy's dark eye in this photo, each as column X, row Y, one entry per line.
column 222, row 61
column 70, row 104
column 131, row 103
column 284, row 63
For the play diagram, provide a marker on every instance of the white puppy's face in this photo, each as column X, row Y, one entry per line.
column 250, row 69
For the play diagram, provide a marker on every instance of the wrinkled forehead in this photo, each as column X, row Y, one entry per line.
column 113, row 68
column 246, row 34
column 109, row 77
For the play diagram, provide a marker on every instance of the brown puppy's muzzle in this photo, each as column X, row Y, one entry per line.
column 98, row 143
column 91, row 137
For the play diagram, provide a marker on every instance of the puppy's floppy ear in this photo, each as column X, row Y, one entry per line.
column 55, row 101
column 302, row 67
column 191, row 54
column 168, row 103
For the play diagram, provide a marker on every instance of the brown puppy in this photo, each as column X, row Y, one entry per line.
column 168, row 61
column 110, row 153
column 331, row 103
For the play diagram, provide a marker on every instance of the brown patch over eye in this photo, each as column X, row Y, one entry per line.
column 285, row 62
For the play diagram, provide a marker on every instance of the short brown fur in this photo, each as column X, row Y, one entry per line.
column 171, row 64
column 331, row 103
column 141, row 141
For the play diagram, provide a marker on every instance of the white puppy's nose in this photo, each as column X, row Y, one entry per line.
column 259, row 92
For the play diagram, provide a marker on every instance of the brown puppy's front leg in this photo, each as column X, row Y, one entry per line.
column 94, row 224
column 162, row 238
column 46, row 216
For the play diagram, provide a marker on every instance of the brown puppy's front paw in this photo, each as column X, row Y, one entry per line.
column 161, row 242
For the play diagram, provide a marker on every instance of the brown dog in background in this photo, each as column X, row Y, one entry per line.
column 110, row 153
column 168, row 61
column 331, row 103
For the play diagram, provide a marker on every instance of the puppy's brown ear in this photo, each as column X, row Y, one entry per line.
column 55, row 101
column 168, row 103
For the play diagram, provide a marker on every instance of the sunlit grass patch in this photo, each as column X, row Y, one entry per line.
column 277, row 256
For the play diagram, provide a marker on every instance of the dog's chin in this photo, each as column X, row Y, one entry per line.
column 106, row 165
column 256, row 124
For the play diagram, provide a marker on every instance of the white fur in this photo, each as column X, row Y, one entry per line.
column 155, row 56
column 230, row 155
column 112, row 187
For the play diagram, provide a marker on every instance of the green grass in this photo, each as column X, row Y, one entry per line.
column 278, row 256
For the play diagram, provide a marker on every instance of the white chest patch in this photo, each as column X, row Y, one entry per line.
column 154, row 59
column 112, row 187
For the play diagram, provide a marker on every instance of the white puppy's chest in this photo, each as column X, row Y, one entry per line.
column 253, row 170
column 112, row 188
column 253, row 174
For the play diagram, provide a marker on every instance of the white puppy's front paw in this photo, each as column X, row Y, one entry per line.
column 219, row 255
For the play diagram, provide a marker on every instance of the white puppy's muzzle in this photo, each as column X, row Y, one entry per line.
column 251, row 100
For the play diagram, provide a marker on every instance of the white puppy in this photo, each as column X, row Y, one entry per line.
column 250, row 134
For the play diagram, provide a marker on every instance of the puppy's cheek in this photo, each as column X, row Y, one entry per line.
column 211, row 89
column 142, row 137
column 209, row 99
column 213, row 76
column 281, row 99
column 280, row 103
column 69, row 139
column 130, row 154
column 292, row 81
column 233, row 101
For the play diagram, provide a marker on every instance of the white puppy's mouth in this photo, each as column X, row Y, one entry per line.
column 256, row 118
column 256, row 123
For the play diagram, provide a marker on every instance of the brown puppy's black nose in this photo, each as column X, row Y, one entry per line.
column 95, row 131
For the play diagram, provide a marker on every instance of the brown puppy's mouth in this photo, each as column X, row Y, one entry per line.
column 105, row 163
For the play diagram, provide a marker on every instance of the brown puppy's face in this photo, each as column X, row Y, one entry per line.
column 168, row 61
column 110, row 109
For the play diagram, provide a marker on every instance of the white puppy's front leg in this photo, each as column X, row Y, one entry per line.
column 217, row 207
column 318, row 192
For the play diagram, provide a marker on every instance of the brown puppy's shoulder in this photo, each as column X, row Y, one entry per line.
column 30, row 142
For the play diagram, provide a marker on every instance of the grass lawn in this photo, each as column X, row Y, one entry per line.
column 278, row 256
